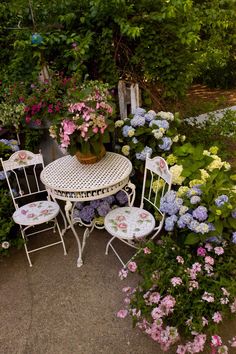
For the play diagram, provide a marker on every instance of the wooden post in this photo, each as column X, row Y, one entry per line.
column 129, row 98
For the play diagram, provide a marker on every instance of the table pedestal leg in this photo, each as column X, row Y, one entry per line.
column 68, row 208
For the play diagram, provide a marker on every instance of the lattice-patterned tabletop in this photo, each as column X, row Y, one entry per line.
column 67, row 178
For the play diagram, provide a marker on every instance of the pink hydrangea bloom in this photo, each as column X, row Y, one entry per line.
column 219, row 250
column 216, row 340
column 208, row 246
column 132, row 266
column 201, row 251
column 217, row 318
column 146, row 250
column 122, row 313
column 180, row 259
column 209, row 260
column 123, row 273
column 208, row 297
column 154, row 298
column 176, row 281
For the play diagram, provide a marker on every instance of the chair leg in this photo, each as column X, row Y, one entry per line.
column 61, row 237
column 26, row 249
column 109, row 244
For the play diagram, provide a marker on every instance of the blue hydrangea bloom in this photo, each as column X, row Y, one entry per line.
column 211, row 226
column 125, row 130
column 233, row 214
column 221, row 200
column 95, row 203
column 149, row 116
column 214, row 239
column 234, row 237
column 140, row 111
column 166, row 144
column 79, row 205
column 193, row 225
column 3, row 176
column 122, row 198
column 110, row 199
column 137, row 121
column 169, row 204
column 184, row 220
column 103, row 208
column 160, row 123
column 200, row 213
column 202, row 228
column 170, row 222
column 147, row 151
column 87, row 213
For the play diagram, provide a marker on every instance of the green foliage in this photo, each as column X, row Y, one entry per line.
column 166, row 44
column 9, row 233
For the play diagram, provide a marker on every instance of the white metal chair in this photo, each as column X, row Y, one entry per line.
column 22, row 171
column 132, row 225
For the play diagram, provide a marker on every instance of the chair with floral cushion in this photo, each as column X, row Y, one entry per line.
column 22, row 171
column 132, row 225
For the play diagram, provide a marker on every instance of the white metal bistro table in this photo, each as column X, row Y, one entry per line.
column 68, row 180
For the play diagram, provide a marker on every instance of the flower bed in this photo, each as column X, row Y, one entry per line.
column 183, row 294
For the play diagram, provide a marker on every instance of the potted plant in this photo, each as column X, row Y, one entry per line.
column 86, row 125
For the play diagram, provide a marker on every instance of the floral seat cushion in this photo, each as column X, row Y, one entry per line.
column 129, row 222
column 36, row 213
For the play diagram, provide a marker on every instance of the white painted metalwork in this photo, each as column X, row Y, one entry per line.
column 22, row 175
column 69, row 180
column 132, row 225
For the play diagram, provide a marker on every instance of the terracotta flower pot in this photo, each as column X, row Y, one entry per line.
column 91, row 158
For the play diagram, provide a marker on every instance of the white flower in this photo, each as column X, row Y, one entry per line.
column 166, row 115
column 5, row 245
column 157, row 133
column 176, row 171
column 131, row 133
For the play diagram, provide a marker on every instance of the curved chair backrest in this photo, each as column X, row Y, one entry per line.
column 156, row 182
column 22, row 175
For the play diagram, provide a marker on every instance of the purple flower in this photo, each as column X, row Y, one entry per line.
column 234, row 214
column 140, row 111
column 221, row 200
column 200, row 213
column 122, row 198
column 79, row 205
column 137, row 121
column 147, row 151
column 184, row 220
column 103, row 209
column 87, row 213
column 166, row 144
column 149, row 116
column 234, row 237
column 110, row 199
column 95, row 203
column 170, row 222
column 160, row 123
column 170, row 204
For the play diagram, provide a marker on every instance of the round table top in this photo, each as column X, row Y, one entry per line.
column 69, row 175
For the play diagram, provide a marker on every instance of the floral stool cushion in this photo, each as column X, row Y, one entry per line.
column 36, row 213
column 129, row 222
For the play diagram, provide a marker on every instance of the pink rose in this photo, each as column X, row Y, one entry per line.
column 209, row 260
column 162, row 163
column 22, row 155
column 143, row 215
column 120, row 218
column 122, row 225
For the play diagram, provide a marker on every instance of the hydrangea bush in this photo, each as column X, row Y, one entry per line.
column 145, row 133
column 183, row 294
column 202, row 203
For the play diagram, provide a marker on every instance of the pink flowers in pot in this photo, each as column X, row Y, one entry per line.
column 87, row 122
